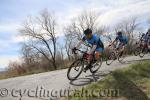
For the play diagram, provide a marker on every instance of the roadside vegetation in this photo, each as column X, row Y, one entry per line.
column 133, row 83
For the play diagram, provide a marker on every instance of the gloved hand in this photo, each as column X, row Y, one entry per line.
column 74, row 49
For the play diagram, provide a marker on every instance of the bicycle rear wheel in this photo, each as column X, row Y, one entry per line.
column 75, row 69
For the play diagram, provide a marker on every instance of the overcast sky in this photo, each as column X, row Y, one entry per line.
column 14, row 12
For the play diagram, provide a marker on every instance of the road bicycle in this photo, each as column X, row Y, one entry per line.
column 114, row 54
column 82, row 64
column 141, row 49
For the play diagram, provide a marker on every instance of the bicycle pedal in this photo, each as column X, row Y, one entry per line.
column 85, row 71
column 115, row 58
column 86, row 68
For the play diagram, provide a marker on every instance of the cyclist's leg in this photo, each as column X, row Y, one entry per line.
column 149, row 44
column 98, row 53
column 122, row 48
column 145, row 45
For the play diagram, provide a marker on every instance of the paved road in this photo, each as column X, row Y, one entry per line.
column 47, row 85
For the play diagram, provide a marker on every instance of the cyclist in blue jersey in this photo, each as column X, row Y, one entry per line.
column 142, row 37
column 95, row 41
column 147, row 38
column 123, row 41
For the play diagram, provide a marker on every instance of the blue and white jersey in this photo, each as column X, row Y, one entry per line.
column 95, row 40
column 122, row 39
column 146, row 37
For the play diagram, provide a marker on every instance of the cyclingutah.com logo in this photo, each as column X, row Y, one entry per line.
column 40, row 92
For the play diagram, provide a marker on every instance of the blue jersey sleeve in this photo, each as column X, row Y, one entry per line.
column 95, row 40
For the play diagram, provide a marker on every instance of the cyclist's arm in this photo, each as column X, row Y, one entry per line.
column 142, row 38
column 78, row 45
column 93, row 49
column 116, row 39
column 81, row 42
column 113, row 42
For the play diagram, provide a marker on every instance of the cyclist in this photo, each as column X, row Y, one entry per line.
column 123, row 40
column 145, row 39
column 95, row 41
column 142, row 37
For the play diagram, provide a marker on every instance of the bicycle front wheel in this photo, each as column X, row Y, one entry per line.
column 121, row 56
column 110, row 58
column 143, row 52
column 75, row 69
column 96, row 66
column 137, row 51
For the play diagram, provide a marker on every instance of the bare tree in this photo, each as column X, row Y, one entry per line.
column 61, row 50
column 15, row 68
column 41, row 31
column 128, row 26
column 79, row 24
column 102, row 30
column 87, row 20
column 73, row 31
column 68, row 45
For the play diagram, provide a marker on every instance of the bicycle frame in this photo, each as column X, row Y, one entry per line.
column 84, row 52
column 84, row 58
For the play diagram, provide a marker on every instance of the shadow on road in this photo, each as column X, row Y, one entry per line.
column 97, row 76
column 89, row 79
